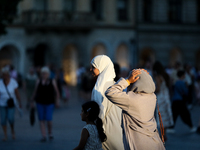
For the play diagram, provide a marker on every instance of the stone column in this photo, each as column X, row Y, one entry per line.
column 110, row 13
column 131, row 11
column 83, row 5
column 55, row 5
column 26, row 5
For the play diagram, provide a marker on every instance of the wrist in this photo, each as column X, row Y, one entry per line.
column 127, row 80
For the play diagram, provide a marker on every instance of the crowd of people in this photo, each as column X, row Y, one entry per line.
column 120, row 107
column 177, row 92
column 44, row 87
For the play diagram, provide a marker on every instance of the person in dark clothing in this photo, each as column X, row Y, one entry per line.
column 46, row 91
column 117, row 71
column 179, row 107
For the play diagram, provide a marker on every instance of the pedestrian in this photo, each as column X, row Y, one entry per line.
column 29, row 86
column 189, row 78
column 197, row 89
column 92, row 134
column 87, row 85
column 179, row 107
column 197, row 92
column 46, row 95
column 13, row 72
column 117, row 71
column 9, row 98
column 103, row 69
column 138, row 106
column 162, row 81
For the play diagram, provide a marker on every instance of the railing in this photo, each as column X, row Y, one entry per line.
column 56, row 18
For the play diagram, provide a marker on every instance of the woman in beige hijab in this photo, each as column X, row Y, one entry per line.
column 138, row 106
column 103, row 69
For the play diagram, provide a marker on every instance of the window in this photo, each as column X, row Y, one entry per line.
column 147, row 10
column 41, row 5
column 122, row 10
column 69, row 5
column 96, row 8
column 175, row 11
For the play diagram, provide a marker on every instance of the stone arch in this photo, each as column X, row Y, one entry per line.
column 122, row 55
column 175, row 56
column 20, row 65
column 70, row 64
column 39, row 55
column 98, row 49
column 10, row 55
column 146, row 55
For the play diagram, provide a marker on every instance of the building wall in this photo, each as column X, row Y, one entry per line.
column 162, row 44
column 162, row 36
column 12, row 39
column 160, row 10
column 158, row 36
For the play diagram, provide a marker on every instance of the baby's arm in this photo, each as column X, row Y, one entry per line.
column 83, row 140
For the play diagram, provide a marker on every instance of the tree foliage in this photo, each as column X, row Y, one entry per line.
column 8, row 10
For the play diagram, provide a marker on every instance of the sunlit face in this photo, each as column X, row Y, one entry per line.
column 45, row 75
column 83, row 115
column 94, row 71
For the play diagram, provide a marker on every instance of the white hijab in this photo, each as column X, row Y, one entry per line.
column 106, row 73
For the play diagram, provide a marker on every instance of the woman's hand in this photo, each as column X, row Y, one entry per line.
column 132, row 78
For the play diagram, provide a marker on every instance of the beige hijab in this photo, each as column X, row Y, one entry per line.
column 144, row 84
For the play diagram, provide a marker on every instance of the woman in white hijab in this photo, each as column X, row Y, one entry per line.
column 103, row 69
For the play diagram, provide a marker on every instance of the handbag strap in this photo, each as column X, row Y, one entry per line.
column 7, row 90
column 161, row 124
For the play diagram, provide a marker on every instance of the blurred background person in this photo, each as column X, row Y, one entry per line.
column 148, row 66
column 174, row 71
column 29, row 84
column 62, row 85
column 13, row 72
column 197, row 89
column 197, row 93
column 179, row 107
column 80, row 76
column 45, row 92
column 52, row 69
column 117, row 71
column 162, row 81
column 124, row 72
column 79, row 73
column 87, row 84
column 189, row 79
column 59, row 78
column 8, row 92
column 198, row 129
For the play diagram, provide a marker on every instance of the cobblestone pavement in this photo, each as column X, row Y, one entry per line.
column 67, row 127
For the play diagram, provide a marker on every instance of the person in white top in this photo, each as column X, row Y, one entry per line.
column 103, row 69
column 92, row 134
column 9, row 98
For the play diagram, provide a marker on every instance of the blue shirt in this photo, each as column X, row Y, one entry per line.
column 180, row 90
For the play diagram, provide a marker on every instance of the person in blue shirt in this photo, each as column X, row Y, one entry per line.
column 179, row 107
